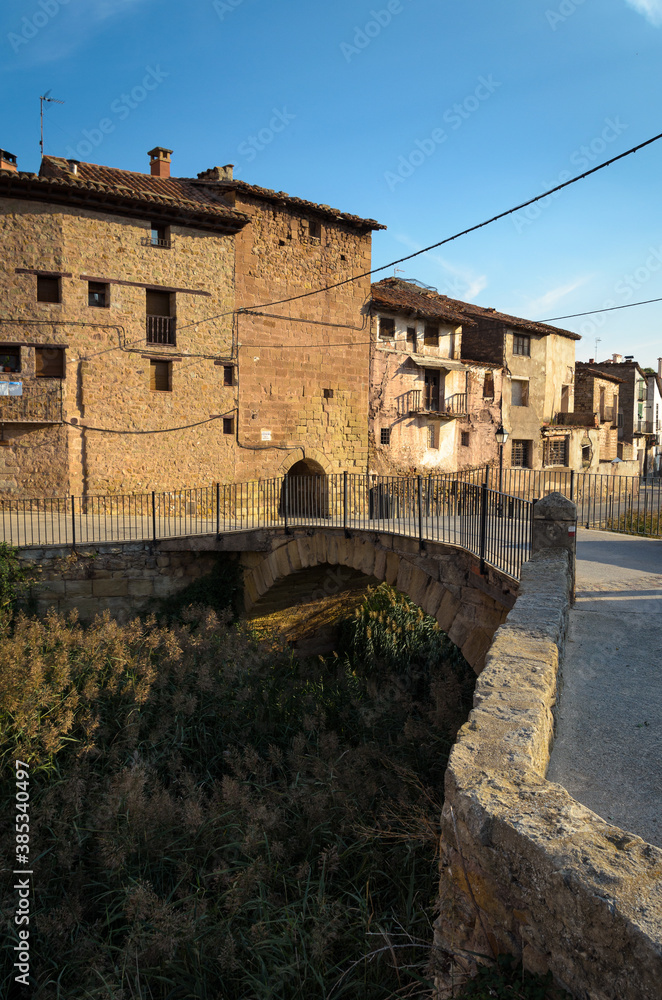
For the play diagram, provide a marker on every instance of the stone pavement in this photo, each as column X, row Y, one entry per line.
column 608, row 747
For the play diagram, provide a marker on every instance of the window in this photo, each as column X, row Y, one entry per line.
column 385, row 435
column 556, row 451
column 228, row 425
column 48, row 289
column 431, row 336
column 314, row 235
column 386, row 328
column 160, row 376
column 565, row 399
column 10, row 359
column 49, row 362
column 432, row 436
column 98, row 294
column 411, row 337
column 521, row 345
column 488, row 386
column 228, row 374
column 586, row 455
column 159, row 236
column 519, row 393
column 520, row 454
column 464, row 439
column 327, row 393
column 451, row 349
column 160, row 323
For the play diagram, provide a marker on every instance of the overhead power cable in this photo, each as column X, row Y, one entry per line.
column 592, row 312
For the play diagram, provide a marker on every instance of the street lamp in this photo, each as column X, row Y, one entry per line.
column 501, row 436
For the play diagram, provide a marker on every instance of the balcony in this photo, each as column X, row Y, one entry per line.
column 642, row 426
column 22, row 403
column 156, row 241
column 418, row 401
column 578, row 418
column 160, row 329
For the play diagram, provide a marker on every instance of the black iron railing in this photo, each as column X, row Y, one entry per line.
column 418, row 401
column 160, row 329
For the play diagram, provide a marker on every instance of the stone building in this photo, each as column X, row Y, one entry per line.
column 138, row 348
column 429, row 410
column 596, row 410
column 635, row 435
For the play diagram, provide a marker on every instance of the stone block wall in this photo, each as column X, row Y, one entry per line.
column 525, row 869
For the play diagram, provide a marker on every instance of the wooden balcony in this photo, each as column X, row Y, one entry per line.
column 578, row 418
column 35, row 404
column 161, row 329
column 418, row 401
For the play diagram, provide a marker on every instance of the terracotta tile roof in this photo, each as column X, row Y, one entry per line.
column 409, row 294
column 282, row 198
column 124, row 192
column 584, row 368
column 395, row 295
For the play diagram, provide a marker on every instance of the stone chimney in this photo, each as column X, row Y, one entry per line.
column 617, row 359
column 7, row 161
column 159, row 163
column 659, row 367
column 217, row 173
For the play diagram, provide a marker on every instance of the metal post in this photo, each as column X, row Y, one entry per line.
column 153, row 515
column 286, row 504
column 500, row 468
column 218, row 508
column 421, row 540
column 73, row 521
column 344, row 504
column 483, row 526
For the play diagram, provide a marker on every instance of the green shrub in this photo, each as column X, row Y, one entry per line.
column 14, row 579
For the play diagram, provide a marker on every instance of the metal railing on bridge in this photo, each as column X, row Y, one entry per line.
column 456, row 508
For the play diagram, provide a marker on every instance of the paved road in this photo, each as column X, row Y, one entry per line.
column 608, row 748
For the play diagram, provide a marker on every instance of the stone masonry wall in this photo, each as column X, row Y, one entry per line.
column 525, row 869
column 303, row 365
column 122, row 435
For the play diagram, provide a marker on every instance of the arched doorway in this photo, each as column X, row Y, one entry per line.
column 305, row 492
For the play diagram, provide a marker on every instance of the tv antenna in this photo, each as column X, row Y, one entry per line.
column 598, row 340
column 54, row 100
column 396, row 270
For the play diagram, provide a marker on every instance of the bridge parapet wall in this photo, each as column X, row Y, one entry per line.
column 525, row 869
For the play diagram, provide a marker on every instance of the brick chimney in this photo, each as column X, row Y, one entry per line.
column 7, row 161
column 159, row 163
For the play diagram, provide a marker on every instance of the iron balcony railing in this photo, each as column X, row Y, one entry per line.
column 22, row 403
column 456, row 509
column 418, row 401
column 161, row 329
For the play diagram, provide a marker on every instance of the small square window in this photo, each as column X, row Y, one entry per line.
column 464, row 438
column 315, row 230
column 228, row 425
column 49, row 362
column 228, row 374
column 386, row 328
column 328, row 393
column 385, row 435
column 10, row 359
column 98, row 294
column 160, row 376
column 160, row 236
column 521, row 345
column 48, row 289
column 431, row 336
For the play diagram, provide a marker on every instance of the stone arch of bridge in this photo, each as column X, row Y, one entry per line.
column 443, row 581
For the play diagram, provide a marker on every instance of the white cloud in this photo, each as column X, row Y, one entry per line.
column 651, row 9
column 456, row 281
column 545, row 302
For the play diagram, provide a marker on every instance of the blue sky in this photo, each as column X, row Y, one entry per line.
column 428, row 116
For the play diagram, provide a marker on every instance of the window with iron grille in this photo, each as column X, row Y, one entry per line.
column 10, row 358
column 385, row 435
column 521, row 345
column 464, row 438
column 228, row 425
column 431, row 336
column 386, row 328
column 49, row 362
column 519, row 393
column 160, row 376
column 556, row 451
column 98, row 294
column 520, row 454
column 228, row 374
column 48, row 289
column 160, row 320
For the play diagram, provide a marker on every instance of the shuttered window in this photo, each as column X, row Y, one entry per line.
column 49, row 362
column 48, row 289
column 160, row 376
